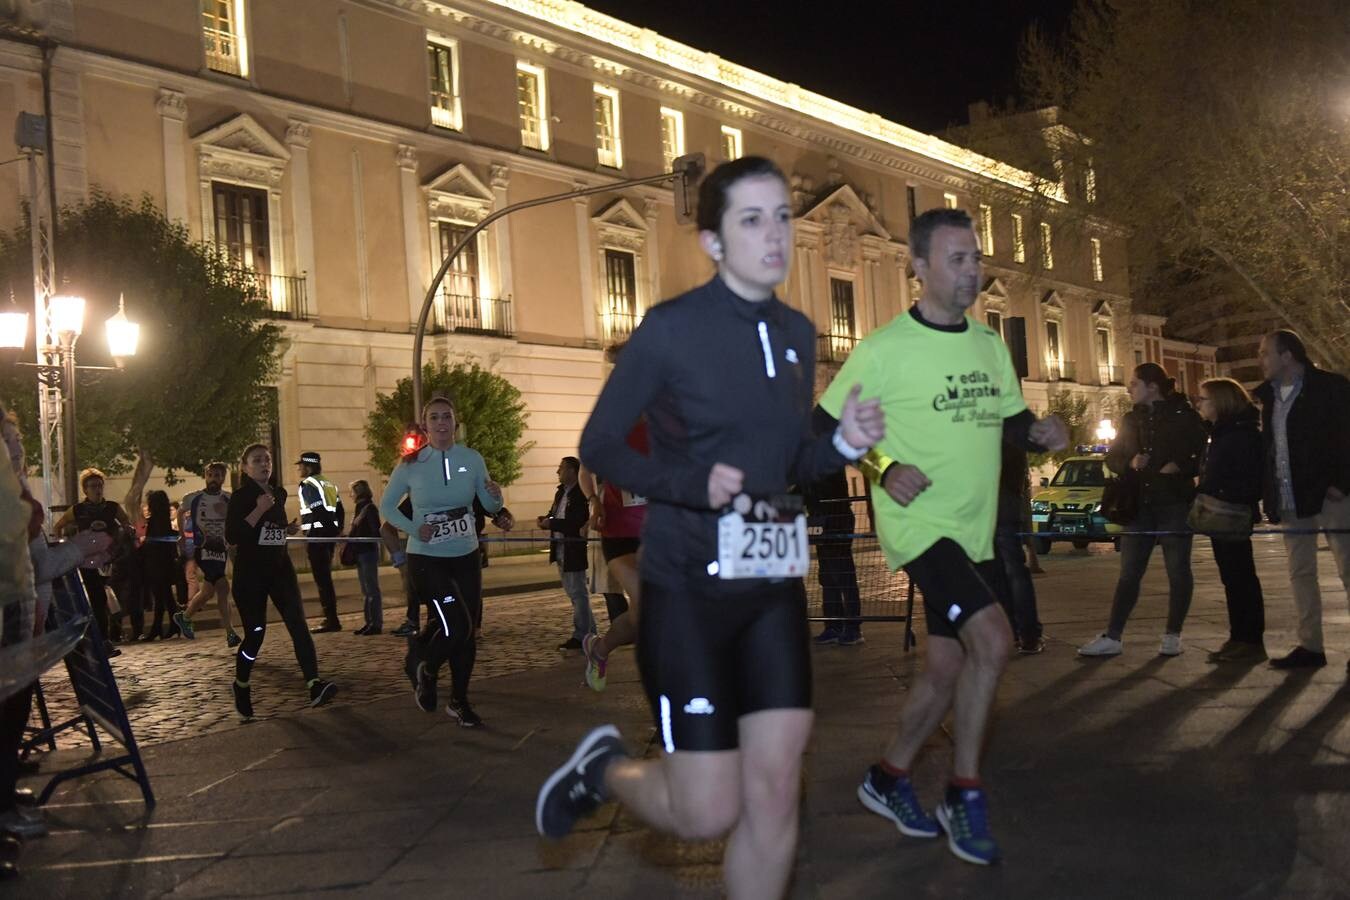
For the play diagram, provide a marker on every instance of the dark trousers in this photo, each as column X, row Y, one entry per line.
column 1242, row 589
column 1015, row 592
column 161, row 573
column 321, row 565
column 1135, row 550
column 838, row 578
column 95, row 585
column 452, row 589
column 14, row 712
column 368, row 574
column 251, row 591
column 130, row 596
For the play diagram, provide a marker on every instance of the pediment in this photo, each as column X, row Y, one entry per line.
column 620, row 214
column 1103, row 309
column 994, row 287
column 459, row 181
column 843, row 205
column 243, row 134
column 1052, row 299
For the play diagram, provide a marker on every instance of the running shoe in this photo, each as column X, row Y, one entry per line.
column 232, row 639
column 1031, row 646
column 576, row 788
column 595, row 665
column 463, row 713
column 407, row 629
column 569, row 645
column 243, row 700
column 1102, row 645
column 1171, row 645
column 424, row 689
column 851, row 638
column 320, row 692
column 964, row 815
column 829, row 635
column 185, row 625
column 899, row 804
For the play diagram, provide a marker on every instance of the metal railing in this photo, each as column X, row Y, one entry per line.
column 222, row 51
column 466, row 314
column 286, row 296
column 834, row 348
column 1110, row 375
column 617, row 325
column 1060, row 370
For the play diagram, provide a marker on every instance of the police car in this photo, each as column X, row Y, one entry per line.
column 1069, row 504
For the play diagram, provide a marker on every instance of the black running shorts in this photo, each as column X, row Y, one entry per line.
column 614, row 547
column 212, row 569
column 708, row 660
column 954, row 588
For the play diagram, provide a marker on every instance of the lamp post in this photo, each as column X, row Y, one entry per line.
column 67, row 321
column 1106, row 432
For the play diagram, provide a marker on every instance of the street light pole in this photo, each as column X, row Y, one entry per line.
column 71, row 462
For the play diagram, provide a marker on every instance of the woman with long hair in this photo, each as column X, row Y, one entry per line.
column 161, row 561
column 1160, row 441
column 255, row 523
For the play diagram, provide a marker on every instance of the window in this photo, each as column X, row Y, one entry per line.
column 842, row 323
column 672, row 136
column 1019, row 240
column 1096, row 259
column 443, row 67
column 532, row 100
column 621, row 309
column 241, row 225
column 731, row 143
column 1054, row 350
column 1104, row 357
column 1047, row 249
column 224, row 36
column 912, row 199
column 462, row 279
column 608, row 143
column 1090, row 182
column 986, row 230
column 949, row 201
column 995, row 321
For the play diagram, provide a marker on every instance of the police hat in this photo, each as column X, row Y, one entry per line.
column 309, row 458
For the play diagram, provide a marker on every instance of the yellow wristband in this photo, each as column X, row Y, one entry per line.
column 874, row 465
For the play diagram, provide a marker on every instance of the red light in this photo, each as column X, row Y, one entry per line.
column 413, row 441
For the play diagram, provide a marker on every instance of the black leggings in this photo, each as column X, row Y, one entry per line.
column 161, row 570
column 451, row 587
column 250, row 591
column 95, row 586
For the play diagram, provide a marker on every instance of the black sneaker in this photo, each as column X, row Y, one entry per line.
column 424, row 689
column 463, row 713
column 1300, row 658
column 575, row 789
column 407, row 629
column 243, row 701
column 569, row 645
column 320, row 692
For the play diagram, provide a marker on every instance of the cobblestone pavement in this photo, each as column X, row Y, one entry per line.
column 178, row 688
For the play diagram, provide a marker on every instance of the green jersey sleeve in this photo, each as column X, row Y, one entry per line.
column 857, row 369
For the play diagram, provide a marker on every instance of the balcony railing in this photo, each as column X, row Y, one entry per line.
column 618, row 325
column 222, row 51
column 445, row 110
column 1060, row 370
column 464, row 314
column 1110, row 375
column 834, row 348
column 286, row 296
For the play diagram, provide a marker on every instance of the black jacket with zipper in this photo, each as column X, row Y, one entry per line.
column 571, row 551
column 1169, row 431
column 1231, row 470
column 722, row 380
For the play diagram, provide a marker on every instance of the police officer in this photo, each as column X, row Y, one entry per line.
column 321, row 515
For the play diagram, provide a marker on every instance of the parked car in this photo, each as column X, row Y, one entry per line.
column 1070, row 504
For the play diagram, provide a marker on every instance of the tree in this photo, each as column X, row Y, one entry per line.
column 1073, row 409
column 1220, row 137
column 489, row 409
column 197, row 389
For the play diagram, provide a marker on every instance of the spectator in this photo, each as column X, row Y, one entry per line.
column 567, row 547
column 161, row 562
column 94, row 513
column 828, row 506
column 1305, row 426
column 1014, row 589
column 366, row 523
column 1231, row 474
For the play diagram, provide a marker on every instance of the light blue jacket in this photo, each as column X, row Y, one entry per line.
column 442, row 485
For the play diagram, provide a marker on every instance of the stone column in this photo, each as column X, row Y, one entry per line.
column 414, row 250
column 302, row 210
column 589, row 323
column 172, row 108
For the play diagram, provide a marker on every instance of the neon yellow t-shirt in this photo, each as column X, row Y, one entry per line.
column 945, row 395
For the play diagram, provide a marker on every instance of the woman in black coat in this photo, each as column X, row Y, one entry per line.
column 1231, row 472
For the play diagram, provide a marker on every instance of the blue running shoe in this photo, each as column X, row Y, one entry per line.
column 964, row 815
column 899, row 804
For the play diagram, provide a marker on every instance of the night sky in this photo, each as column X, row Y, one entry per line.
column 916, row 63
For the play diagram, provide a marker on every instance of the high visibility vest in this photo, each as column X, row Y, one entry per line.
column 322, row 515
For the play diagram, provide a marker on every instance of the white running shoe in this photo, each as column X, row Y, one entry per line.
column 1171, row 645
column 1102, row 645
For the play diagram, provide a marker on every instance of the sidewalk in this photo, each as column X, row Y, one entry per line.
column 1138, row 776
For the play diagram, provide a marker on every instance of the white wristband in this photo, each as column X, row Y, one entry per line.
column 847, row 450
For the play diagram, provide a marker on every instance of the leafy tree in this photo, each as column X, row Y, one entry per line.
column 491, row 417
column 197, row 388
column 1073, row 409
column 1219, row 136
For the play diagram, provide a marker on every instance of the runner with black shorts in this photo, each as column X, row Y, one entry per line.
column 203, row 521
column 724, row 375
column 441, row 481
column 951, row 398
column 256, row 526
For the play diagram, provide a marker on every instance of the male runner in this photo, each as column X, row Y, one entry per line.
column 203, row 537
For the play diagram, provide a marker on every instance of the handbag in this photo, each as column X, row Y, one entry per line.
column 348, row 555
column 1221, row 520
column 1120, row 498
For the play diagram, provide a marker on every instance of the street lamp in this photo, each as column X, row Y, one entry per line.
column 13, row 330
column 123, row 334
column 1106, row 432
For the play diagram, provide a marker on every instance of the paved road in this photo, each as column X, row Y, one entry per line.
column 1138, row 776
